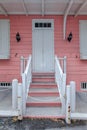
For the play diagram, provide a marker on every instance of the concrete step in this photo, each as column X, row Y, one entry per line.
column 43, row 90
column 44, row 112
column 43, row 101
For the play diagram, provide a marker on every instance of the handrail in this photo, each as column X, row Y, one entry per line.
column 26, row 80
column 60, row 78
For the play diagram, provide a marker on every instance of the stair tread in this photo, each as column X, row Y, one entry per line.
column 46, row 90
column 46, row 77
column 44, row 111
column 43, row 99
column 43, row 83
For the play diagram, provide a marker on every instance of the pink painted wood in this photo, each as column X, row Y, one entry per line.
column 76, row 68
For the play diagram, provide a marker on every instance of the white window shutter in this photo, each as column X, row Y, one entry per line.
column 4, row 39
column 83, row 39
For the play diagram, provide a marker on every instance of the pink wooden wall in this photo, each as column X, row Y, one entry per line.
column 76, row 68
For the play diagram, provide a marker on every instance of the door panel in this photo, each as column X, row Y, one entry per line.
column 37, row 51
column 48, row 51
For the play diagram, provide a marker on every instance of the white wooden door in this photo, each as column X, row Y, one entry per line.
column 43, row 46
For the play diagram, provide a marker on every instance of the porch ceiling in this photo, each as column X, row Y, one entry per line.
column 43, row 7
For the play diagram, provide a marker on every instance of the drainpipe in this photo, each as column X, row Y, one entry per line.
column 65, row 18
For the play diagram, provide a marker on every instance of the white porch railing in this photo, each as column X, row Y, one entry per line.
column 15, row 108
column 20, row 91
column 60, row 78
column 26, row 80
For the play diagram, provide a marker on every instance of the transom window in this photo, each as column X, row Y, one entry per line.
column 42, row 25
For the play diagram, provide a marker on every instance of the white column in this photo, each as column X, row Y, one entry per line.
column 73, row 96
column 14, row 93
column 20, row 101
column 68, row 105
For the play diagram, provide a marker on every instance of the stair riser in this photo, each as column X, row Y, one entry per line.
column 43, row 74
column 43, row 86
column 41, row 94
column 43, row 104
column 42, row 80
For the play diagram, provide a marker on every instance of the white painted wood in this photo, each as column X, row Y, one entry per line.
column 4, row 39
column 35, row 7
column 43, row 7
column 8, row 113
column 63, row 93
column 65, row 18
column 22, row 64
column 25, row 8
column 37, row 51
column 26, row 80
column 81, row 7
column 14, row 93
column 24, row 92
column 73, row 96
column 3, row 10
column 79, row 116
column 48, row 51
column 64, row 65
column 83, row 39
column 68, row 105
column 60, row 79
column 43, row 47
column 20, row 101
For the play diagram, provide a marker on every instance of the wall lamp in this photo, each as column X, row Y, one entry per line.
column 18, row 38
column 70, row 36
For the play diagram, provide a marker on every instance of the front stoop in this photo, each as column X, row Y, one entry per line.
column 43, row 98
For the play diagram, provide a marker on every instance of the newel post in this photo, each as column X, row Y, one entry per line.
column 24, row 92
column 68, row 105
column 73, row 95
column 20, row 111
column 14, row 93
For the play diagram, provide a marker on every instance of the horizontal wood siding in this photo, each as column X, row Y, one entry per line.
column 76, row 68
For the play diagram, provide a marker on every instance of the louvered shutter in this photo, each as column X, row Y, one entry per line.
column 83, row 39
column 4, row 39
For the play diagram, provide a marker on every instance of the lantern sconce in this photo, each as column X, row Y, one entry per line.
column 70, row 36
column 18, row 38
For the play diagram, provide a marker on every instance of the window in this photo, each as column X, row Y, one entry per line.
column 42, row 25
column 4, row 39
column 83, row 39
